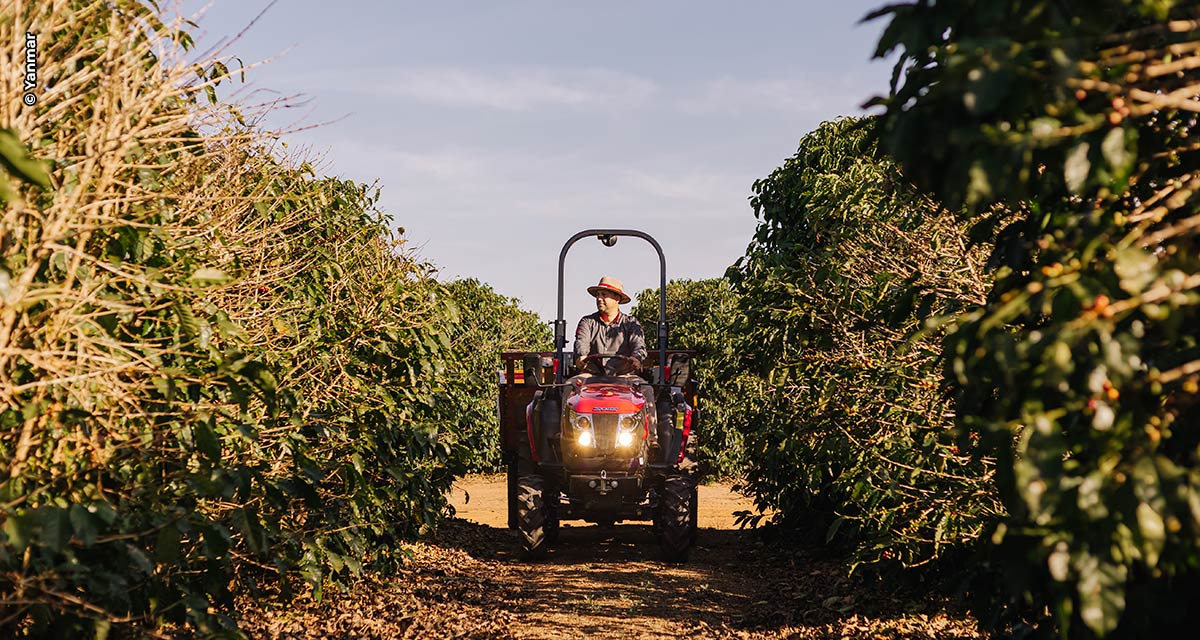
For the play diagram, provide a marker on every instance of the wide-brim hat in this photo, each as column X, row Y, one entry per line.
column 611, row 284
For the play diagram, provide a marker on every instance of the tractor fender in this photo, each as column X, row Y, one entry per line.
column 531, row 439
column 541, row 421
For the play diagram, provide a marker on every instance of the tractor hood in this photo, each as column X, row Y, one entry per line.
column 606, row 398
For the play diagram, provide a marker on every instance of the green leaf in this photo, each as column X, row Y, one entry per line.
column 55, row 528
column 1077, row 167
column 82, row 524
column 261, row 376
column 7, row 194
column 1101, row 591
column 16, row 528
column 102, row 629
column 216, row 539
column 206, row 440
column 140, row 559
column 15, row 158
column 1059, row 562
column 247, row 520
column 1154, row 533
column 979, row 188
column 1135, row 268
column 167, row 545
column 1115, row 149
column 335, row 562
column 209, row 276
column 1044, row 127
column 104, row 511
column 187, row 318
column 833, row 529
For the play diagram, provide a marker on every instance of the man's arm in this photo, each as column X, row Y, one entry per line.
column 583, row 338
column 637, row 339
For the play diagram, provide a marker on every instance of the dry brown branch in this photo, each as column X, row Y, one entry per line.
column 1183, row 370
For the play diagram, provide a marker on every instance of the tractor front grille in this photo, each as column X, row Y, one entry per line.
column 604, row 427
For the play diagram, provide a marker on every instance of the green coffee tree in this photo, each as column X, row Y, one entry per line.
column 845, row 424
column 701, row 314
column 1065, row 127
column 489, row 325
column 216, row 368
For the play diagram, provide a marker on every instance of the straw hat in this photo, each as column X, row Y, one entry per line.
column 611, row 284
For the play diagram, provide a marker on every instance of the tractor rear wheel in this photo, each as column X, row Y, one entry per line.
column 511, row 478
column 531, row 516
column 677, row 527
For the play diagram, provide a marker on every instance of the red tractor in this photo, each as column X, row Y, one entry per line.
column 588, row 440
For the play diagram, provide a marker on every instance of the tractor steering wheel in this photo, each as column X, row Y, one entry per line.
column 609, row 364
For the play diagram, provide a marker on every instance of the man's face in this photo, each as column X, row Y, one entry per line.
column 607, row 302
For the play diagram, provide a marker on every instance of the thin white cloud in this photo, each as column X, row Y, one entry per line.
column 511, row 89
column 471, row 183
column 443, row 164
column 472, row 209
column 520, row 89
column 692, row 187
column 737, row 96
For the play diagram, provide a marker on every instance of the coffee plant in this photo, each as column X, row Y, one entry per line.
column 220, row 372
column 845, row 425
column 700, row 314
column 1065, row 129
column 489, row 325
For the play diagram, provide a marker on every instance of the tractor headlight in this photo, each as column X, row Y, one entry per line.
column 582, row 423
column 626, row 428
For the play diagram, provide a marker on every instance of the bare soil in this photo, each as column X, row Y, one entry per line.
column 606, row 582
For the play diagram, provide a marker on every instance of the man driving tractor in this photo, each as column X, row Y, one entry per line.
column 607, row 438
column 608, row 330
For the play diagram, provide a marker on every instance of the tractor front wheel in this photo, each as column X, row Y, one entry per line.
column 532, row 516
column 677, row 514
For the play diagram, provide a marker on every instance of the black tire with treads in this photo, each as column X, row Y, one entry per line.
column 678, row 492
column 511, row 477
column 531, row 516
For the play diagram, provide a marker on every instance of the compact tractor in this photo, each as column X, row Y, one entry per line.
column 602, row 440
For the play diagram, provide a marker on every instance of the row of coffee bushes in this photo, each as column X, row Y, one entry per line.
column 1064, row 129
column 972, row 322
column 219, row 371
column 818, row 371
column 844, row 419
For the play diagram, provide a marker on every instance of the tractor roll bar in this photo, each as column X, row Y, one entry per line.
column 560, row 324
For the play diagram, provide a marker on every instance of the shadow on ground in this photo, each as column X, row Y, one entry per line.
column 466, row 581
column 608, row 582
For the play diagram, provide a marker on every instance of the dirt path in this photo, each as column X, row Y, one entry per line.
column 482, row 500
column 607, row 583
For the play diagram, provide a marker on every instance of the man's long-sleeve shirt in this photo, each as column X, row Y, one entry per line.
column 623, row 336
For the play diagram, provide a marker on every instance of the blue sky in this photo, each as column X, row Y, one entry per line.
column 498, row 129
